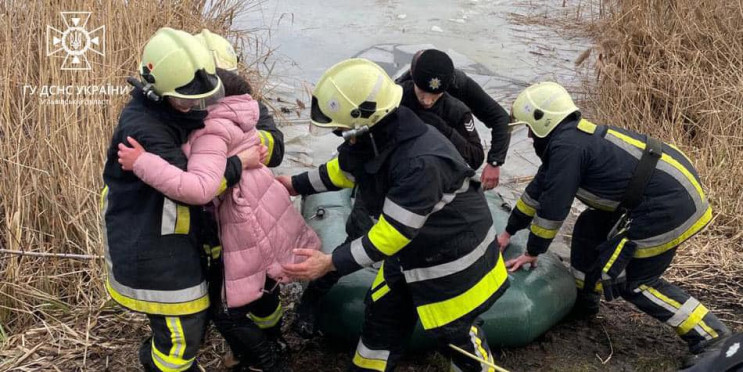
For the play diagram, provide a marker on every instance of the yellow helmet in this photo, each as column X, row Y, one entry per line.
column 176, row 64
column 542, row 107
column 222, row 50
column 352, row 94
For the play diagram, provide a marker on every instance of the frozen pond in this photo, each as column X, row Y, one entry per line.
column 481, row 36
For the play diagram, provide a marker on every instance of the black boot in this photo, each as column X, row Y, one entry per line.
column 305, row 321
column 705, row 349
column 266, row 356
column 586, row 306
column 145, row 356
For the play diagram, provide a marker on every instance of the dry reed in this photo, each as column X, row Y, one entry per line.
column 53, row 309
column 674, row 70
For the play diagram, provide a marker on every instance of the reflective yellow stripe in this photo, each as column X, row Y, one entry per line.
column 542, row 232
column 379, row 279
column 579, row 283
column 668, row 159
column 372, row 364
column 104, row 193
column 586, row 126
column 598, row 288
column 386, row 238
column 478, row 344
column 654, row 251
column 441, row 313
column 177, row 337
column 171, row 309
column 337, row 177
column 693, row 320
column 222, row 186
column 268, row 142
column 680, row 152
column 708, row 329
column 614, row 256
column 525, row 209
column 703, row 221
column 216, row 251
column 167, row 363
column 183, row 219
column 661, row 296
column 380, row 292
column 268, row 321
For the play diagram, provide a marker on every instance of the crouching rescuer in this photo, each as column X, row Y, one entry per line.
column 644, row 197
column 434, row 234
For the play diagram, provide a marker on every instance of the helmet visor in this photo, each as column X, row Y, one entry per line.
column 202, row 84
column 317, row 131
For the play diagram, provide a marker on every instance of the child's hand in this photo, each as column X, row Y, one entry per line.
column 129, row 155
column 264, row 153
column 250, row 158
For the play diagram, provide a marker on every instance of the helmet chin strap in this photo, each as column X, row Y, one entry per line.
column 353, row 133
column 147, row 90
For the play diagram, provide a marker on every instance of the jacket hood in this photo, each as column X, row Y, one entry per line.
column 241, row 110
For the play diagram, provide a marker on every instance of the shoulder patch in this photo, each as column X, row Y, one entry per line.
column 470, row 125
column 586, row 126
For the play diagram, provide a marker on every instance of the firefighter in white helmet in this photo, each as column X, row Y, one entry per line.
column 644, row 196
column 441, row 264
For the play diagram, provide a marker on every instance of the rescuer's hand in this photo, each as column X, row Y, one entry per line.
column 520, row 261
column 315, row 265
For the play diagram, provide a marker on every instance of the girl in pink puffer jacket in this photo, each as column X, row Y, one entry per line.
column 259, row 227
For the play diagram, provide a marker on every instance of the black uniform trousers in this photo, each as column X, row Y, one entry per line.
column 174, row 343
column 644, row 286
column 247, row 329
column 390, row 318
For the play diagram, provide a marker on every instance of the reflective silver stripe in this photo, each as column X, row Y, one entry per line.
column 263, row 138
column 403, row 215
column 151, row 295
column 546, row 224
column 167, row 364
column 184, row 295
column 577, row 274
column 528, row 200
column 596, row 202
column 349, row 176
column 658, row 301
column 683, row 312
column 316, row 181
column 367, row 353
column 700, row 204
column 170, row 216
column 178, row 339
column 702, row 332
column 447, row 198
column 359, row 254
column 449, row 268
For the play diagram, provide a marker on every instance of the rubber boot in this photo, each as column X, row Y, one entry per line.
column 704, row 348
column 266, row 356
column 305, row 321
column 586, row 306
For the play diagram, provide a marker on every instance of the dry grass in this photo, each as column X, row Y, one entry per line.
column 51, row 158
column 674, row 70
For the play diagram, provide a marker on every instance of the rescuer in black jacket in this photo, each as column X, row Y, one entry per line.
column 426, row 95
column 645, row 199
column 486, row 109
column 434, row 228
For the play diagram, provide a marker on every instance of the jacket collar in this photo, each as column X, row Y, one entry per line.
column 397, row 128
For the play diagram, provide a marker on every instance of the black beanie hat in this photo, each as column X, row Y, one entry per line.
column 433, row 71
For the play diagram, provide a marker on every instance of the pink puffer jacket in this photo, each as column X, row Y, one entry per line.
column 259, row 226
